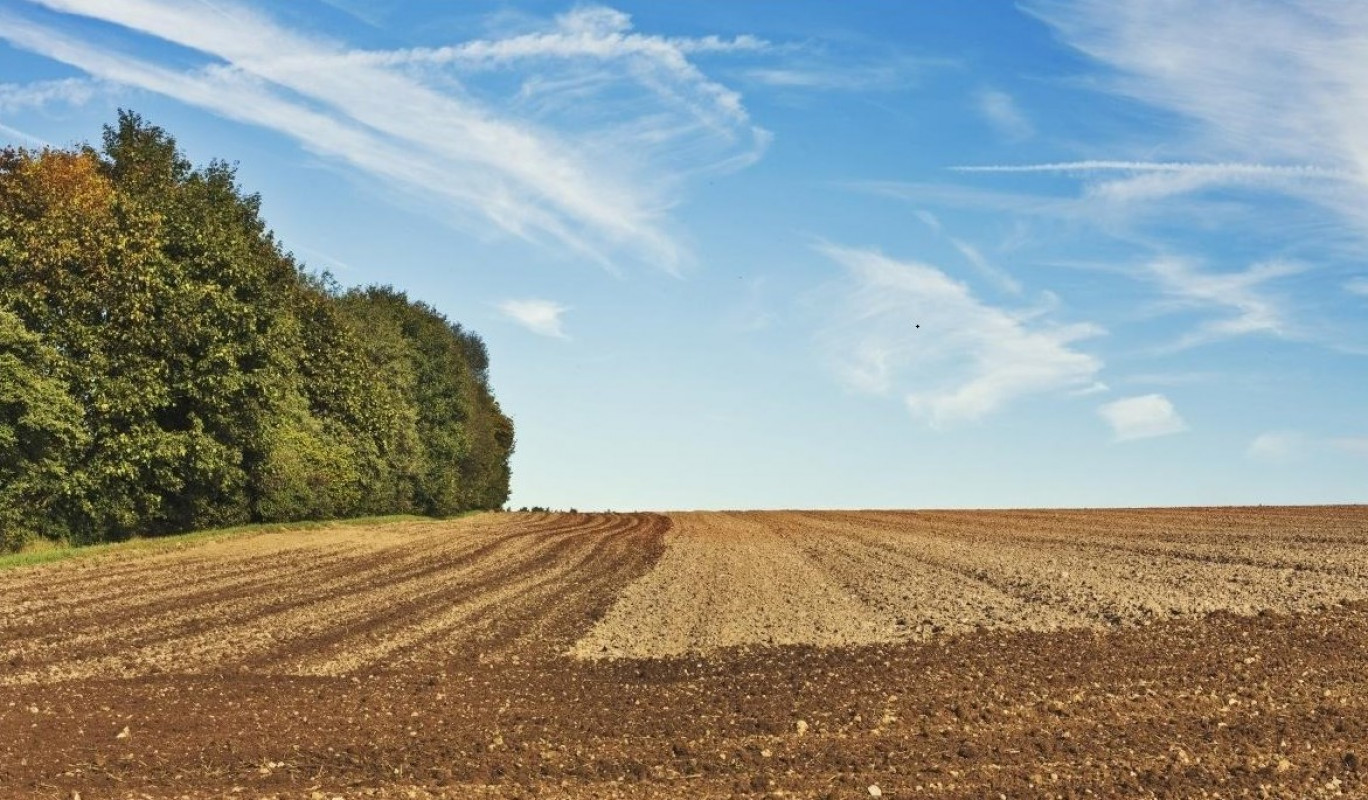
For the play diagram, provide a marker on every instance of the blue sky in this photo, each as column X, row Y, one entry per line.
column 810, row 254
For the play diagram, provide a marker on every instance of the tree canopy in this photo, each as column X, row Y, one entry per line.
column 166, row 365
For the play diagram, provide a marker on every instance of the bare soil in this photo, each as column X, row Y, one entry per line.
column 835, row 578
column 1165, row 653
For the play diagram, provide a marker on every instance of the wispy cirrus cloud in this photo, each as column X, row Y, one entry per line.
column 588, row 38
column 597, row 31
column 929, row 220
column 23, row 136
column 370, row 12
column 830, row 68
column 953, row 195
column 1172, row 167
column 1001, row 111
column 1286, row 446
column 1130, row 207
column 907, row 327
column 1248, row 309
column 1277, row 446
column 1285, row 86
column 39, row 94
column 1259, row 109
column 1255, row 300
column 599, row 185
column 825, row 79
column 539, row 316
column 1144, row 417
column 1000, row 278
column 1280, row 86
column 1142, row 181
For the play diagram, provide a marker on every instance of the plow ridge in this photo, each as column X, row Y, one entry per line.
column 265, row 612
column 809, row 654
column 270, row 594
column 403, row 625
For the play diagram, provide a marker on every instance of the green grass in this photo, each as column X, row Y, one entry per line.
column 45, row 552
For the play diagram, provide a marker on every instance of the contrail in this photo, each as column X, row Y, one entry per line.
column 1307, row 171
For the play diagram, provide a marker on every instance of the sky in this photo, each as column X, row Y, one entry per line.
column 741, row 254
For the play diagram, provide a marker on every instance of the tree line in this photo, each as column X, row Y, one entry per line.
column 165, row 365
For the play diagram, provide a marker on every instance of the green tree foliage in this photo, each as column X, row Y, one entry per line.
column 40, row 433
column 443, row 373
column 167, row 366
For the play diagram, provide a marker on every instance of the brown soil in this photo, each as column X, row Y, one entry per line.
column 950, row 654
column 830, row 578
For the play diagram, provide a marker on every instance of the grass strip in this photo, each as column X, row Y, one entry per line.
column 45, row 552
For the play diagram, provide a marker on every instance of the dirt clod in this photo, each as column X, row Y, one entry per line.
column 715, row 656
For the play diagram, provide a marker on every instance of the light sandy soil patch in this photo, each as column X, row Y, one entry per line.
column 824, row 578
column 729, row 580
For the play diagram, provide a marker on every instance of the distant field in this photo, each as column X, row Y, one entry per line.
column 940, row 654
column 836, row 578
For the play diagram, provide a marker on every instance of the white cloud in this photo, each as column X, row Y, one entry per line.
column 1264, row 82
column 1142, row 417
column 539, row 316
column 976, row 198
column 787, row 78
column 1148, row 181
column 597, row 31
column 596, row 177
column 999, row 277
column 1277, row 446
column 908, row 327
column 929, row 220
column 39, row 94
column 1002, row 113
column 15, row 133
column 1357, row 286
column 367, row 11
column 603, row 35
column 1097, row 387
column 1238, row 292
column 1289, row 446
column 825, row 70
column 1215, row 172
column 1253, row 301
column 818, row 79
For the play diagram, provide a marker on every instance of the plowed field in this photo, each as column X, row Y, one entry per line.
column 1169, row 653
